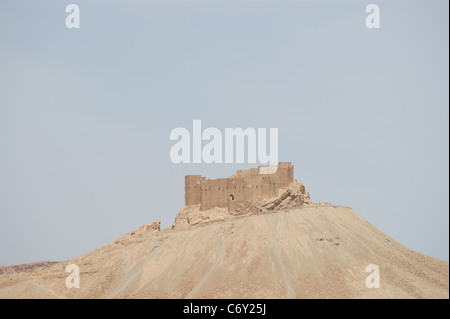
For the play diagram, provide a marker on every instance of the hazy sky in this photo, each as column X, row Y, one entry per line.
column 86, row 114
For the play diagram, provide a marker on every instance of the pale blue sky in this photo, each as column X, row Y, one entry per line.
column 85, row 115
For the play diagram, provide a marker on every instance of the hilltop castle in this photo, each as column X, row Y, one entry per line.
column 254, row 191
column 242, row 190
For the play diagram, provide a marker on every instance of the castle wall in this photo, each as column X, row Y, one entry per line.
column 244, row 188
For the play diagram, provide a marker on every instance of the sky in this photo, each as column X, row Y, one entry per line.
column 86, row 114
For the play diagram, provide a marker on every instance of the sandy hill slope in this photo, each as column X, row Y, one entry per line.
column 314, row 251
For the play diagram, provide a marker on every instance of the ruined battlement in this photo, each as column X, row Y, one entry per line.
column 242, row 189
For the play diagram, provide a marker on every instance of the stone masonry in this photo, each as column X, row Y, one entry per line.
column 241, row 190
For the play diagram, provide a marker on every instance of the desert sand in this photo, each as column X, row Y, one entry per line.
column 312, row 251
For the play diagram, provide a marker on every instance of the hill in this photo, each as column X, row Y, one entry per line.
column 311, row 251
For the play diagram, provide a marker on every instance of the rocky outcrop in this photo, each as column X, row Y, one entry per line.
column 150, row 227
column 192, row 216
column 292, row 196
column 140, row 234
column 26, row 268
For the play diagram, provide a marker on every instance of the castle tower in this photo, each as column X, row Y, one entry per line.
column 285, row 174
column 192, row 189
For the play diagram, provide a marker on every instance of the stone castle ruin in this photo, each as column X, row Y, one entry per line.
column 247, row 192
column 243, row 190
